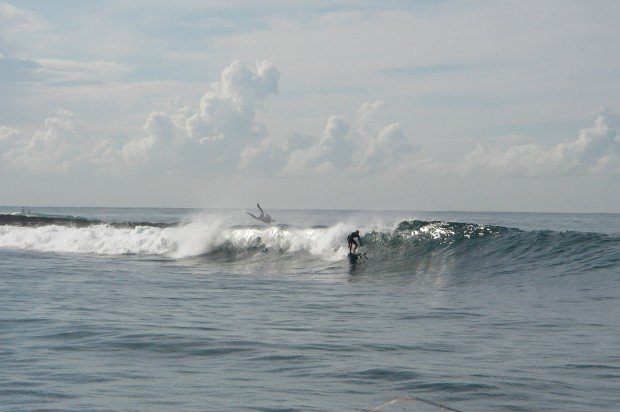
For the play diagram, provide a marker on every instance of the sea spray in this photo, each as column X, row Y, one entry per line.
column 407, row 246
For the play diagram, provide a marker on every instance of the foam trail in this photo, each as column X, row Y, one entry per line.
column 99, row 239
column 202, row 235
column 322, row 242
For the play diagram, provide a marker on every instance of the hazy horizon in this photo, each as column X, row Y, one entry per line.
column 250, row 208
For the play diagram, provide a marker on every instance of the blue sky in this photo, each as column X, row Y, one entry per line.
column 423, row 105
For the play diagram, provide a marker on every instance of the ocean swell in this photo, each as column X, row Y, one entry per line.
column 406, row 246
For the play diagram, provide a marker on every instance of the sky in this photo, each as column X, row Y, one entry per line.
column 340, row 104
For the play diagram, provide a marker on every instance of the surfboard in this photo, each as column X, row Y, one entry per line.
column 355, row 257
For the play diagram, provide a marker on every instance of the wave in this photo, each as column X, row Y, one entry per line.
column 406, row 246
column 38, row 220
column 199, row 237
column 420, row 246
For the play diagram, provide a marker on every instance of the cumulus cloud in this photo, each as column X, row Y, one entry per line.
column 216, row 134
column 366, row 146
column 160, row 131
column 228, row 110
column 62, row 145
column 265, row 158
column 595, row 150
column 7, row 135
column 171, row 146
column 329, row 152
column 223, row 134
column 216, row 137
column 229, row 138
column 381, row 146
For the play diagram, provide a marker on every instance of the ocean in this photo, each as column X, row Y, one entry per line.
column 107, row 309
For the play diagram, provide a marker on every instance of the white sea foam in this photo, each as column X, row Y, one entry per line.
column 200, row 236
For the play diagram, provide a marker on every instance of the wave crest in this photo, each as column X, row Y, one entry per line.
column 404, row 246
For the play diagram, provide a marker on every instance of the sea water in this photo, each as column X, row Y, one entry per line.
column 177, row 309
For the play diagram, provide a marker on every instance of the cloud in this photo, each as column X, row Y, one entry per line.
column 380, row 147
column 325, row 155
column 595, row 150
column 52, row 71
column 61, row 146
column 16, row 27
column 229, row 109
column 223, row 135
column 160, row 132
column 14, row 23
column 220, row 133
column 17, row 70
column 67, row 71
column 8, row 136
column 366, row 146
column 212, row 139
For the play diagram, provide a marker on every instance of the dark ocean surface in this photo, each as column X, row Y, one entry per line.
column 105, row 309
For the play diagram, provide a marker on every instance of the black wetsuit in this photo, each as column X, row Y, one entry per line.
column 351, row 238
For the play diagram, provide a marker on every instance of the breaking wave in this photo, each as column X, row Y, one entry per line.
column 409, row 245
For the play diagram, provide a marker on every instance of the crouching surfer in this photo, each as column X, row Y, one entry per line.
column 352, row 242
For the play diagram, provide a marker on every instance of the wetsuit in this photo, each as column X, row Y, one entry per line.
column 351, row 239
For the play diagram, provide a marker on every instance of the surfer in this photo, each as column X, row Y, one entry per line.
column 352, row 242
column 263, row 217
